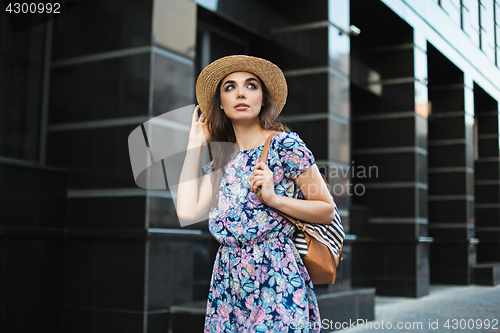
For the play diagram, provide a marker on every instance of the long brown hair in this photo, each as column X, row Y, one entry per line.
column 222, row 131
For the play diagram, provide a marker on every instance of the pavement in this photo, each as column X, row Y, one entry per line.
column 446, row 309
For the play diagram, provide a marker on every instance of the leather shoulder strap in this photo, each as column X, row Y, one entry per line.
column 265, row 151
column 263, row 158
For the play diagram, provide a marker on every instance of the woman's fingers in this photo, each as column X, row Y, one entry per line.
column 195, row 114
column 258, row 174
column 256, row 181
column 261, row 176
column 258, row 184
column 261, row 166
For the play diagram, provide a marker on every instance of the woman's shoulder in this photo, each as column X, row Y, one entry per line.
column 286, row 139
column 292, row 154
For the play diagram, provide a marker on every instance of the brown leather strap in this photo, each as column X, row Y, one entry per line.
column 263, row 158
column 265, row 151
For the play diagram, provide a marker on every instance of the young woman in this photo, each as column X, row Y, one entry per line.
column 259, row 282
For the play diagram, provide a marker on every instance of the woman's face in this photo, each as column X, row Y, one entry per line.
column 241, row 96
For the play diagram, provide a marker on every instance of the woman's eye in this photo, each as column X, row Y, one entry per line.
column 231, row 86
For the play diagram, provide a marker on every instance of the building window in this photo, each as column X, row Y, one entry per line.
column 21, row 89
column 487, row 27
column 496, row 17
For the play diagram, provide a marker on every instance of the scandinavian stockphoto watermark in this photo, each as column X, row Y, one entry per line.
column 158, row 151
column 350, row 178
column 452, row 324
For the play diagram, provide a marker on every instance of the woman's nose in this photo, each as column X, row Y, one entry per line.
column 241, row 92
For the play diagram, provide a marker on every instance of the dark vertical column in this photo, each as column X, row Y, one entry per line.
column 487, row 177
column 389, row 141
column 100, row 92
column 32, row 209
column 451, row 173
column 32, row 195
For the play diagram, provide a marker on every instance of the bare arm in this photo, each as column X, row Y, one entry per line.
column 193, row 199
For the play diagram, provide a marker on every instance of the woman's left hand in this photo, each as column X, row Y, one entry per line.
column 264, row 177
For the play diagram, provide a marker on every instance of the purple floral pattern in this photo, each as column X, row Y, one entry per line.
column 259, row 281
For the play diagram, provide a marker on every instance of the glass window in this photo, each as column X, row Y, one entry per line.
column 173, row 83
column 110, row 88
column 306, row 48
column 474, row 14
column 465, row 19
column 487, row 24
column 471, row 27
column 21, row 91
column 114, row 25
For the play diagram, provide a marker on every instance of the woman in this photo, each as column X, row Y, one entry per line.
column 259, row 282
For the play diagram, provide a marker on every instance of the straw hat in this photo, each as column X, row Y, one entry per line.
column 269, row 73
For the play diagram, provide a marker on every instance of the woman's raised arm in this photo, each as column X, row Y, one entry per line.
column 194, row 200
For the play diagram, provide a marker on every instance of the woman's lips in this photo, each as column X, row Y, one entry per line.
column 241, row 107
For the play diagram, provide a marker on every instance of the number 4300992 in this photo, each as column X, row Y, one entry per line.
column 471, row 324
column 32, row 8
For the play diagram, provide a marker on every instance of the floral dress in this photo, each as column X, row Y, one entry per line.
column 259, row 281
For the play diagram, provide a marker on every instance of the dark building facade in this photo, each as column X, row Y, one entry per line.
column 403, row 119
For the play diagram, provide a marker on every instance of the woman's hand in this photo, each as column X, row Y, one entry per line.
column 263, row 176
column 200, row 134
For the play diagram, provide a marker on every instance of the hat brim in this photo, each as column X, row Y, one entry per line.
column 269, row 73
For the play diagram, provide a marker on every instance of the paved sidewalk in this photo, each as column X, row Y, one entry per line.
column 463, row 308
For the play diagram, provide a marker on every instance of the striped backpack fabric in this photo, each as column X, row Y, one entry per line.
column 332, row 233
column 320, row 246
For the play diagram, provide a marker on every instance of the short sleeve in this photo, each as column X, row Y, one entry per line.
column 209, row 168
column 293, row 153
